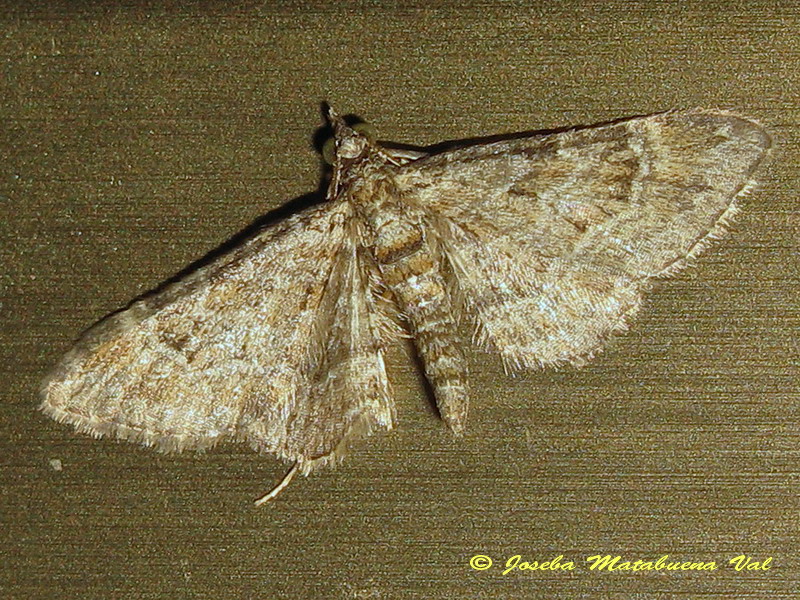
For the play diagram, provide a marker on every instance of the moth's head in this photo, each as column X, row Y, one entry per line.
column 349, row 143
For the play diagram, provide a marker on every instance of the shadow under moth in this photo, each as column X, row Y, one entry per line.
column 545, row 243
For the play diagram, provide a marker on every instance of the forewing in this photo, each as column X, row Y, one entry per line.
column 553, row 238
column 229, row 352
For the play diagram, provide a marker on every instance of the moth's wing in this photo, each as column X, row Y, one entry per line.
column 235, row 350
column 348, row 393
column 552, row 238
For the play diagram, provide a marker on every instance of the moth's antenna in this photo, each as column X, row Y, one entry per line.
column 278, row 488
column 338, row 124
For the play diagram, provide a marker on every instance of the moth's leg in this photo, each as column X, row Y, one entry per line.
column 278, row 488
column 411, row 267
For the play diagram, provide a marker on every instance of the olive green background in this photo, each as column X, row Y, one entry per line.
column 135, row 138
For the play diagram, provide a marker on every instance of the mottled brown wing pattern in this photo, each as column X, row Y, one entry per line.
column 553, row 238
column 546, row 243
column 240, row 349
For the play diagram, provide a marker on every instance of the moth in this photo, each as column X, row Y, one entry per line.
column 544, row 243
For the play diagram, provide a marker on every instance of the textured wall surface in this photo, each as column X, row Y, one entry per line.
column 135, row 138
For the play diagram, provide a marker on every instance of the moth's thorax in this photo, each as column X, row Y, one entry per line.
column 392, row 229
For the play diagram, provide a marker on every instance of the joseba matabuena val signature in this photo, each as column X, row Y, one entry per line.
column 608, row 564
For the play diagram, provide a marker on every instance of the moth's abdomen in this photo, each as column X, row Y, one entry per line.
column 411, row 267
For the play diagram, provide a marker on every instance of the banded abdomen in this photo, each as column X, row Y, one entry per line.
column 411, row 265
